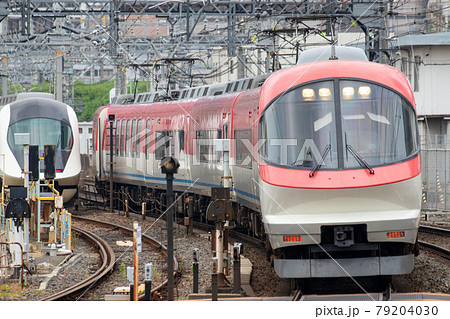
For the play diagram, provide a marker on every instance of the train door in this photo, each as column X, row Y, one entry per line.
column 99, row 156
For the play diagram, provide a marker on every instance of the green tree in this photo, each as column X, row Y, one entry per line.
column 93, row 95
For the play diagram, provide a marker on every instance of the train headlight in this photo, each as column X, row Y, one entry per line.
column 364, row 92
column 308, row 94
column 348, row 92
column 325, row 93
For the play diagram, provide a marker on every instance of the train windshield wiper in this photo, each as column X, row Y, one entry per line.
column 320, row 163
column 359, row 159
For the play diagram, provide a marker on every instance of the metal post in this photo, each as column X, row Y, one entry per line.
column 130, row 277
column 5, row 76
column 143, row 210
column 131, row 292
column 214, row 281
column 126, row 208
column 26, row 222
column 187, row 21
column 237, row 268
column 195, row 271
column 169, row 166
column 148, row 281
column 136, row 262
column 169, row 201
column 219, row 253
column 191, row 215
column 59, row 80
column 148, row 290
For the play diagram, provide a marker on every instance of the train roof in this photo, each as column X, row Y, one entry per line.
column 324, row 53
column 215, row 89
column 386, row 75
column 23, row 96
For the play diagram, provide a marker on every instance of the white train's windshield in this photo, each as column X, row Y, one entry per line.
column 42, row 132
column 338, row 124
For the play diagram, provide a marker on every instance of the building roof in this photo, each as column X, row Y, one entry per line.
column 425, row 39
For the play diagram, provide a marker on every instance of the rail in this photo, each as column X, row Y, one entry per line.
column 153, row 242
column 108, row 261
column 435, row 230
column 441, row 251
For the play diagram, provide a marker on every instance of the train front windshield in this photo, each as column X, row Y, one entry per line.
column 42, row 132
column 338, row 124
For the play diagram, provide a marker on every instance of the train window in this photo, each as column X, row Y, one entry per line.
column 127, row 138
column 249, row 84
column 169, row 143
column 122, row 137
column 205, row 91
column 138, row 139
column 300, row 126
column 205, row 146
column 243, row 148
column 225, row 131
column 43, row 131
column 236, row 86
column 147, row 138
column 117, row 137
column 133, row 138
column 228, row 89
column 378, row 125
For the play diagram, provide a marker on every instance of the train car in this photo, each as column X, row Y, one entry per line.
column 325, row 162
column 49, row 122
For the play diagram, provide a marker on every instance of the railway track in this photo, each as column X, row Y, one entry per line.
column 438, row 250
column 156, row 245
column 108, row 261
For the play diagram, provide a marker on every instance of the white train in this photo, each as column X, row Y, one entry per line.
column 49, row 122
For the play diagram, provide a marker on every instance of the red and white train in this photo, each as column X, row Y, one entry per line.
column 325, row 161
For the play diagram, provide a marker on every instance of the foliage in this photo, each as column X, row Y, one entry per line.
column 123, row 270
column 94, row 96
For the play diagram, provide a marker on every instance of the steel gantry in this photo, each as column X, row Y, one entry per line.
column 106, row 30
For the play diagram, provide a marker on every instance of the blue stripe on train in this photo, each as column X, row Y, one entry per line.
column 185, row 181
